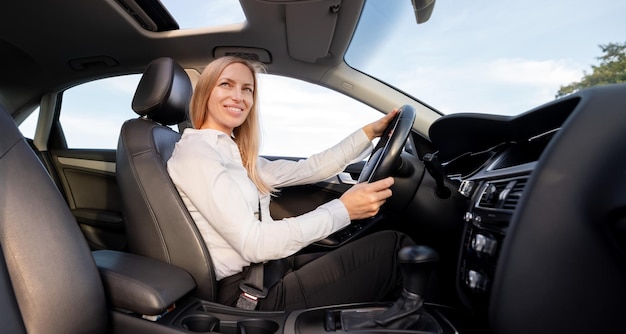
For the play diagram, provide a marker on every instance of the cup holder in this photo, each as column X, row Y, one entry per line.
column 201, row 324
column 204, row 323
column 256, row 326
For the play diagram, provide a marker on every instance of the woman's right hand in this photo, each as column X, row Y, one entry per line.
column 364, row 200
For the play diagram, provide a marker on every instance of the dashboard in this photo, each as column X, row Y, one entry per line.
column 521, row 255
column 492, row 159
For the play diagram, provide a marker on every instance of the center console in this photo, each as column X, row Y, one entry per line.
column 494, row 193
column 197, row 316
column 146, row 295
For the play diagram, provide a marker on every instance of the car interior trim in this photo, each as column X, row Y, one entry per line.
column 103, row 166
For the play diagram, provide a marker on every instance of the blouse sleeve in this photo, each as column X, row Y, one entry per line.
column 318, row 167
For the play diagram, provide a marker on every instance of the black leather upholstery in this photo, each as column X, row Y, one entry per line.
column 158, row 224
column 163, row 92
column 49, row 282
column 140, row 284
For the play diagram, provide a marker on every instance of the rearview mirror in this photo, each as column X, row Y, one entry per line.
column 423, row 9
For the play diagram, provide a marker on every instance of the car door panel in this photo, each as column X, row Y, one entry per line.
column 297, row 200
column 88, row 181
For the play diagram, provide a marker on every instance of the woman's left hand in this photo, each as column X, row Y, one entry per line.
column 376, row 129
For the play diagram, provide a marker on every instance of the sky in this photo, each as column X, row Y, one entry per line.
column 497, row 57
column 500, row 57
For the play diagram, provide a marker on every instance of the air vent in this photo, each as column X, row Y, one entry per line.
column 515, row 194
column 492, row 192
column 502, row 195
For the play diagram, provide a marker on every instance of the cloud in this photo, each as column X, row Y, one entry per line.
column 539, row 79
column 83, row 132
column 533, row 72
column 213, row 13
column 125, row 84
column 498, row 86
column 299, row 118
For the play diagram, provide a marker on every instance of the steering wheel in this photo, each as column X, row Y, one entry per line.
column 384, row 161
column 385, row 158
column 562, row 267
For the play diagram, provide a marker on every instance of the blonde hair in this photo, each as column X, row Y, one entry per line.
column 248, row 134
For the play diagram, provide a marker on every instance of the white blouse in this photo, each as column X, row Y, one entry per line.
column 207, row 170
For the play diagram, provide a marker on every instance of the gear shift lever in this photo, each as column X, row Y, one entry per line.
column 416, row 263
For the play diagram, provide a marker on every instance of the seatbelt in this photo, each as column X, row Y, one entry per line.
column 252, row 288
column 255, row 285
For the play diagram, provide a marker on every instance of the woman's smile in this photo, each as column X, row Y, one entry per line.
column 234, row 110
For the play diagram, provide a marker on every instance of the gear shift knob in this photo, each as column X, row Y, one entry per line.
column 416, row 263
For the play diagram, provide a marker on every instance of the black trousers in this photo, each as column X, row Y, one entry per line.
column 365, row 270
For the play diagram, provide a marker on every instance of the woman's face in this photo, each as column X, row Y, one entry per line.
column 231, row 99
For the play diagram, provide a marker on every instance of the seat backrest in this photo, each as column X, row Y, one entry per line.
column 158, row 224
column 49, row 282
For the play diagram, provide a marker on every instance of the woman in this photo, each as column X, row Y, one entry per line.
column 227, row 188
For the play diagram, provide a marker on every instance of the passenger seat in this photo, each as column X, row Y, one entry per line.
column 48, row 279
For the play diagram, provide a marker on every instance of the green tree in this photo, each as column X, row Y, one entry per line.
column 612, row 69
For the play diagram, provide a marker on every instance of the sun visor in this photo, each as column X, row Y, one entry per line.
column 310, row 28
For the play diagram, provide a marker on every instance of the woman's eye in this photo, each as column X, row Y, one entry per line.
column 224, row 84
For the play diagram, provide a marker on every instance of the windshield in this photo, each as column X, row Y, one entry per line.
column 498, row 57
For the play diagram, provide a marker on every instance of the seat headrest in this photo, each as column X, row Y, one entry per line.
column 163, row 93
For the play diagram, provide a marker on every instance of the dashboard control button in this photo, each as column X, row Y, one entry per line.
column 468, row 217
column 483, row 244
column 466, row 188
column 476, row 281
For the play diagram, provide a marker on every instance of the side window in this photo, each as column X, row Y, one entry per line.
column 29, row 125
column 299, row 118
column 92, row 113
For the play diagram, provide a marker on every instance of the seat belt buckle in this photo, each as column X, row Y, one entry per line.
column 249, row 297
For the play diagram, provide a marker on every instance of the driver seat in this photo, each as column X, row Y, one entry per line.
column 158, row 224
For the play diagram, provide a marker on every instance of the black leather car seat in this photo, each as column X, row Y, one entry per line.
column 49, row 282
column 158, row 224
